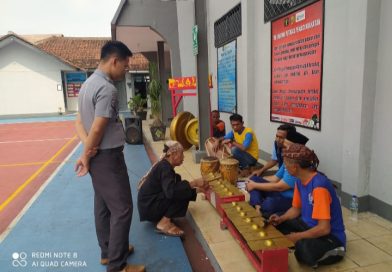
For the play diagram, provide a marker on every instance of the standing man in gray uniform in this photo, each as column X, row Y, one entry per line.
column 101, row 131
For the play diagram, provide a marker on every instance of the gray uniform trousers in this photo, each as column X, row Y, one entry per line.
column 112, row 205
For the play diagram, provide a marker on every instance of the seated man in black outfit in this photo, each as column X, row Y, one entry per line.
column 163, row 195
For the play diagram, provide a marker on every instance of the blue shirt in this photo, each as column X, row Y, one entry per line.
column 284, row 175
column 274, row 156
column 277, row 154
column 306, row 193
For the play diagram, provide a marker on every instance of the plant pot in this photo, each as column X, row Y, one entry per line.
column 158, row 133
column 142, row 114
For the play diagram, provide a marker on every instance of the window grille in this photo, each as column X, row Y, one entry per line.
column 273, row 9
column 228, row 27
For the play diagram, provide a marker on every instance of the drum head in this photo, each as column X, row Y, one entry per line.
column 229, row 161
column 209, row 159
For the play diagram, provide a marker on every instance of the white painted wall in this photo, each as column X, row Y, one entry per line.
column 188, row 60
column 341, row 93
column 216, row 9
column 28, row 81
column 381, row 161
column 353, row 144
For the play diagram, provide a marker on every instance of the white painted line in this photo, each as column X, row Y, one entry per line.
column 35, row 196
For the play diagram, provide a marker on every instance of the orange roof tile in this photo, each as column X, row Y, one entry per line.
column 138, row 62
column 85, row 52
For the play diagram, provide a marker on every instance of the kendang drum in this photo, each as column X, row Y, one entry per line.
column 229, row 170
column 222, row 152
column 209, row 165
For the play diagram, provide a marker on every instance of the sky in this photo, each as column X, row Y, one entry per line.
column 73, row 18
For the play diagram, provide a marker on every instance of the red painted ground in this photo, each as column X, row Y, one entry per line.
column 24, row 148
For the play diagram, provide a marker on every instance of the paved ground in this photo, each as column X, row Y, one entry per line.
column 30, row 152
column 59, row 227
column 369, row 240
column 56, row 233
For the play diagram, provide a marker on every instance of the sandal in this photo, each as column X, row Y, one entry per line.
column 170, row 230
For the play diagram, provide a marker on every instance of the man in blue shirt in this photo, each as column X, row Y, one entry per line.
column 277, row 157
column 242, row 142
column 314, row 222
column 274, row 194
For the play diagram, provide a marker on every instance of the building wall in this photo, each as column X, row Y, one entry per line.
column 188, row 60
column 245, row 77
column 352, row 145
column 381, row 161
column 161, row 17
column 338, row 141
column 28, row 81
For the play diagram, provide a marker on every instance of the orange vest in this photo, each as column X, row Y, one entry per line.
column 253, row 149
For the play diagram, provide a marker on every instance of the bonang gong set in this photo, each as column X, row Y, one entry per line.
column 264, row 245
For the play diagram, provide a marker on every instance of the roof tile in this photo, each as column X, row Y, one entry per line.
column 85, row 52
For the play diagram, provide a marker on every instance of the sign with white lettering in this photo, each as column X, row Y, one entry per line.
column 227, row 77
column 296, row 67
column 73, row 82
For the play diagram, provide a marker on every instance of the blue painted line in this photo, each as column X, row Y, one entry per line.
column 57, row 233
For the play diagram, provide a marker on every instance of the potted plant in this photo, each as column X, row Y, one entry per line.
column 158, row 129
column 136, row 105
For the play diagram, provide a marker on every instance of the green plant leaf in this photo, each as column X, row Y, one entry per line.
column 154, row 90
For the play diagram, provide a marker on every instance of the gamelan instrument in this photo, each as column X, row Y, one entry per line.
column 229, row 170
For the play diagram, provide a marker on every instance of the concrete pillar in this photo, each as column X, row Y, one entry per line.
column 248, row 64
column 203, row 93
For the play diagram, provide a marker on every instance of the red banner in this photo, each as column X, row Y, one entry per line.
column 185, row 83
column 296, row 67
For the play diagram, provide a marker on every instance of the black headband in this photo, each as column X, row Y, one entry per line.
column 165, row 148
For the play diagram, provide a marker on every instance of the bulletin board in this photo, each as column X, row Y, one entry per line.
column 296, row 67
column 227, row 77
column 73, row 82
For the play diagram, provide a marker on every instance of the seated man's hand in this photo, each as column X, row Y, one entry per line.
column 226, row 141
column 293, row 237
column 199, row 183
column 203, row 189
column 275, row 219
column 215, row 146
column 257, row 172
column 250, row 185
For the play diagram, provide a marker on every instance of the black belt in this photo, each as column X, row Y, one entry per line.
column 111, row 150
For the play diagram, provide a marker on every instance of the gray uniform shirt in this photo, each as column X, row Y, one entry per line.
column 99, row 98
